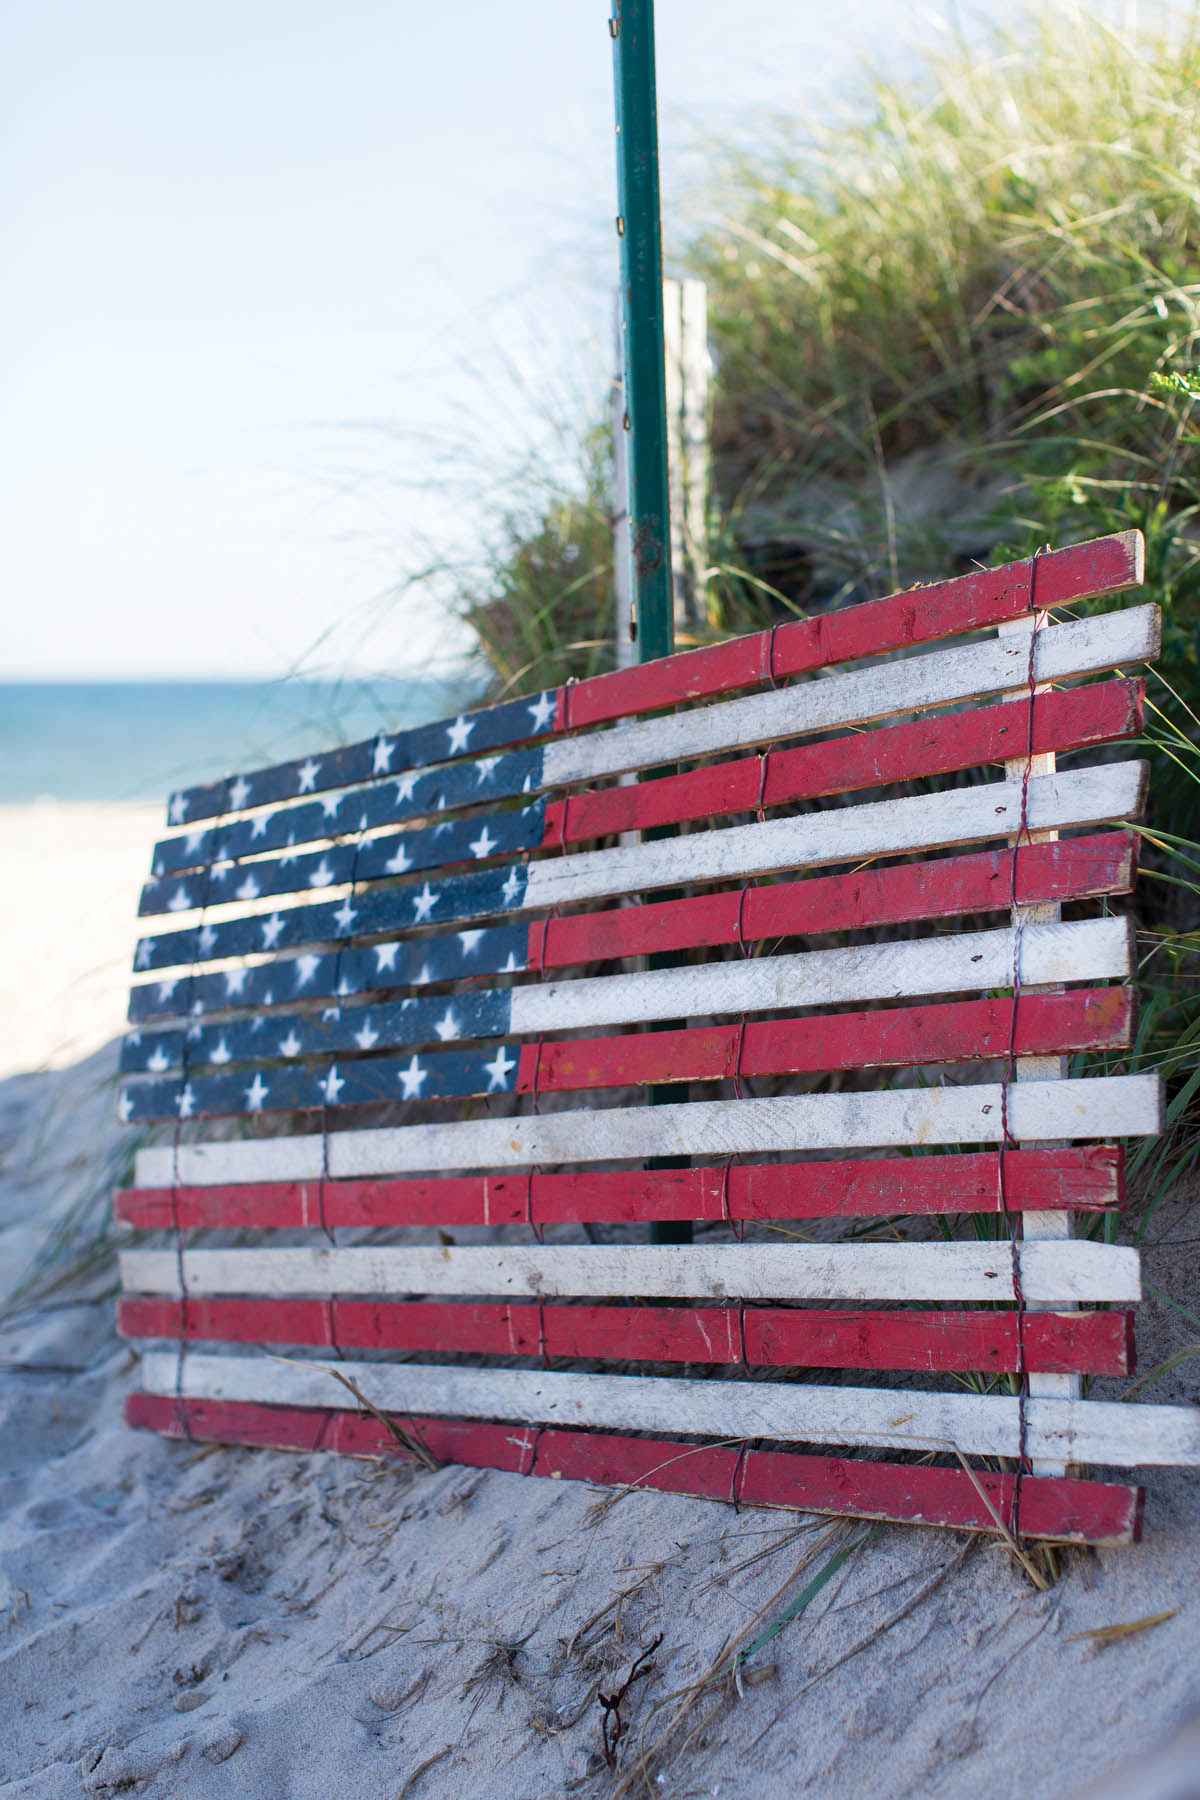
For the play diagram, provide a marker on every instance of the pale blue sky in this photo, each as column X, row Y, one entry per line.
column 262, row 260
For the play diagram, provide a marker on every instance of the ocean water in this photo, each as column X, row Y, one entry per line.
column 135, row 741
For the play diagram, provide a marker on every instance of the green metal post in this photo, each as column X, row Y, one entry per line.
column 640, row 231
column 639, row 228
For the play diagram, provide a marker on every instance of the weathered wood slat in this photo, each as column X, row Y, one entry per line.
column 983, row 597
column 1077, row 868
column 1092, row 1431
column 1098, row 1343
column 1065, row 1510
column 940, row 678
column 812, row 840
column 1093, row 1018
column 1088, row 1179
column 941, row 745
column 1112, row 1106
column 1053, row 1272
column 1083, row 950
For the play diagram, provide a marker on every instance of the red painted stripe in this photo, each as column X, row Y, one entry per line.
column 1097, row 1343
column 865, row 759
column 965, row 603
column 1061, row 1508
column 1072, row 869
column 1079, row 1178
column 1046, row 1025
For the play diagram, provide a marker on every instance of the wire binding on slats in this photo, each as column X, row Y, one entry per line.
column 327, row 1229
column 182, row 1411
column 1013, row 1222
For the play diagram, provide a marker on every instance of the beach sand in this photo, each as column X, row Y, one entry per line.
column 227, row 1624
column 68, row 926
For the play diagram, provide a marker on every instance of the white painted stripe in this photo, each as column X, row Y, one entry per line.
column 1112, row 1106
column 908, row 684
column 841, row 834
column 1085, row 950
column 795, row 1412
column 1053, row 1272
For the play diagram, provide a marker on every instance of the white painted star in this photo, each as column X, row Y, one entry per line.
column 196, row 1008
column 222, row 1053
column 422, row 978
column 483, row 845
column 308, row 776
column 206, row 940
column 239, row 793
column 192, row 842
column 345, row 916
column 268, row 1000
column 291, row 1045
column 256, row 1093
column 384, row 752
column 260, row 825
column 306, row 968
column 499, row 1070
column 542, row 711
column 412, row 1078
column 406, row 787
column 366, row 1037
column 511, row 967
column 399, row 861
column 133, row 1039
column 257, row 1023
column 177, row 809
column 271, row 929
column 330, row 805
column 321, row 876
column 235, row 980
column 180, row 900
column 331, row 1013
column 385, row 957
column 167, row 988
column 249, row 889
column 458, row 734
column 424, row 903
column 447, row 1026
column 125, row 1107
column 332, row 1085
column 344, row 988
column 144, row 954
column 159, row 1061
column 194, row 1032
column 512, row 886
column 485, row 768
column 287, row 858
column 469, row 941
column 221, row 871
column 185, row 1102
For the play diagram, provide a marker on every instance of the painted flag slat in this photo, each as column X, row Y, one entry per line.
column 983, row 597
column 942, row 677
column 1088, row 1179
column 1070, row 869
column 1053, row 1271
column 1065, row 1510
column 1098, row 1343
column 1049, row 1024
column 1075, row 1431
column 1100, row 1107
column 943, row 745
column 812, row 840
column 1079, row 950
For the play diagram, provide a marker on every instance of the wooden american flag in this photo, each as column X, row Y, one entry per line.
column 406, row 981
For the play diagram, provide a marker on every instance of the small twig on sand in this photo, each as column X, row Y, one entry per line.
column 421, row 1768
column 612, row 1726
